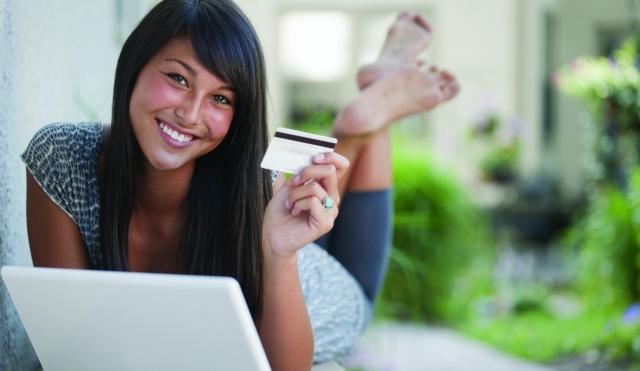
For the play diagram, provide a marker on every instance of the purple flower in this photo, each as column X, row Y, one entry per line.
column 632, row 314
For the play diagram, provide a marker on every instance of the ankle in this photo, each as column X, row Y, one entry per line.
column 356, row 119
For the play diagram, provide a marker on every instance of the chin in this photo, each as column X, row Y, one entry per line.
column 167, row 163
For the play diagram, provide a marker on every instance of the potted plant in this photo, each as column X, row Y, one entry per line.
column 500, row 144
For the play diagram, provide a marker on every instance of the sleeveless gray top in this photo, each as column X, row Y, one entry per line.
column 63, row 160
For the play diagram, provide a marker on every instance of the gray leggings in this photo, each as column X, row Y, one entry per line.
column 361, row 237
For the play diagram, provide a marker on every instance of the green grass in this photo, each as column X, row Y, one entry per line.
column 539, row 336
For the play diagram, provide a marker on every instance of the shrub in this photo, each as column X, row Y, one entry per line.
column 608, row 247
column 441, row 259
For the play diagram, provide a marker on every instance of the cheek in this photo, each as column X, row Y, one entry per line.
column 152, row 93
column 218, row 123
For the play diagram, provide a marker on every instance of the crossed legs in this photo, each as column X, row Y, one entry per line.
column 393, row 87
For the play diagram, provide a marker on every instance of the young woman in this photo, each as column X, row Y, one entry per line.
column 174, row 185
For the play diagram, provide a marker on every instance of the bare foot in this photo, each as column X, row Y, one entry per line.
column 404, row 92
column 408, row 36
column 447, row 83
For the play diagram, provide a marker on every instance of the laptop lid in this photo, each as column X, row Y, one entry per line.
column 95, row 320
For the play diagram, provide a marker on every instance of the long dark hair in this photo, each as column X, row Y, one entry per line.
column 228, row 193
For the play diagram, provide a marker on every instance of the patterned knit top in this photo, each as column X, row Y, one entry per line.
column 63, row 160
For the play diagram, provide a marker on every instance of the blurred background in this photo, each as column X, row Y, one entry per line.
column 517, row 203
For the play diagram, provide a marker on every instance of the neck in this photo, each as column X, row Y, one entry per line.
column 162, row 192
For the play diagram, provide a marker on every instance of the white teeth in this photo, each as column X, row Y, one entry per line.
column 174, row 134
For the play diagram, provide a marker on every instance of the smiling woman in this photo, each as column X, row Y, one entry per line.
column 174, row 185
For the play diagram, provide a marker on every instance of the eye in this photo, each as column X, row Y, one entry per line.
column 177, row 78
column 221, row 99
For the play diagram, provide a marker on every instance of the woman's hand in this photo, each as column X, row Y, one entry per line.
column 297, row 215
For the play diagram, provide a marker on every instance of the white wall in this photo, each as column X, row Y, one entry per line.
column 57, row 62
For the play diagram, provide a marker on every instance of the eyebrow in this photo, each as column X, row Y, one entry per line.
column 186, row 66
column 194, row 73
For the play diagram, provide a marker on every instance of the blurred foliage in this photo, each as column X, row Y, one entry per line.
column 500, row 162
column 610, row 89
column 607, row 239
column 501, row 141
column 603, row 243
column 599, row 81
column 539, row 335
column 441, row 258
column 315, row 121
column 621, row 339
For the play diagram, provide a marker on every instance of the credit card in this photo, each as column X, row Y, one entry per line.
column 291, row 150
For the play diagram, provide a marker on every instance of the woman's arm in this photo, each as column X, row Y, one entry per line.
column 284, row 325
column 296, row 216
column 54, row 238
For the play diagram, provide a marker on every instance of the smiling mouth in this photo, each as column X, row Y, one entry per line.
column 174, row 134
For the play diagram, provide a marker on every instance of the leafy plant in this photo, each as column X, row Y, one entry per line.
column 441, row 259
column 602, row 82
column 608, row 243
column 501, row 142
column 610, row 89
column 539, row 335
column 316, row 121
column 500, row 162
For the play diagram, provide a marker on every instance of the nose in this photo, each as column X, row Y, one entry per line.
column 189, row 110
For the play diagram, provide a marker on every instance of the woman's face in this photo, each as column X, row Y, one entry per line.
column 179, row 110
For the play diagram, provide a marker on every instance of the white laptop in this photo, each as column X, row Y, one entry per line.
column 81, row 320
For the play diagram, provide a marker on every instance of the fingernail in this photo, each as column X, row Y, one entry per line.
column 319, row 157
column 287, row 204
column 296, row 180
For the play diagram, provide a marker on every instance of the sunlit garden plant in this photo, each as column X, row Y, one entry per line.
column 500, row 142
column 606, row 83
column 610, row 89
column 606, row 237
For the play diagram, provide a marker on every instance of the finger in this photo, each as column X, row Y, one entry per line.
column 340, row 162
column 311, row 189
column 325, row 175
column 319, row 216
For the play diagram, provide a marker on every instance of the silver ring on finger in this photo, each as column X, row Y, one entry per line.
column 328, row 202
